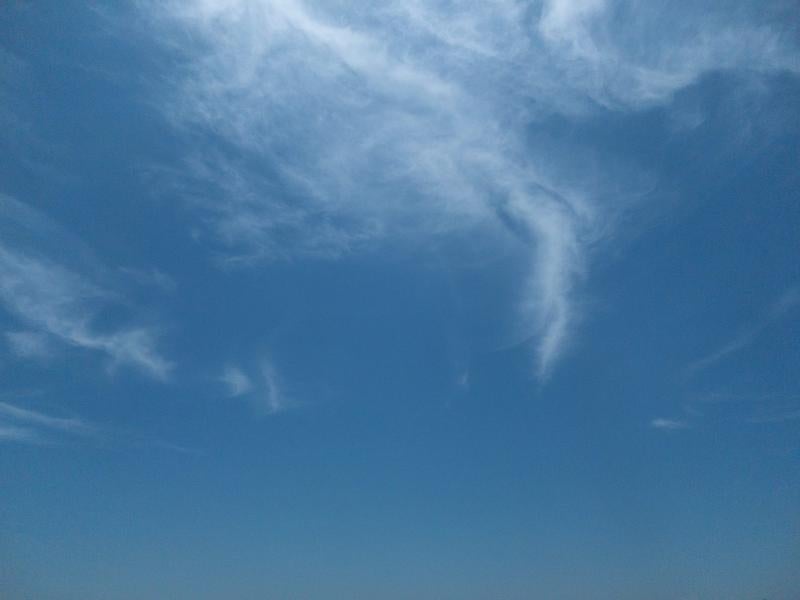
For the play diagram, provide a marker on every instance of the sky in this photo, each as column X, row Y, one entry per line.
column 431, row 299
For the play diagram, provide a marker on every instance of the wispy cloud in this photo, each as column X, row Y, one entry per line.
column 151, row 277
column 236, row 381
column 346, row 126
column 273, row 397
column 22, row 424
column 12, row 433
column 778, row 417
column 669, row 424
column 30, row 417
column 631, row 54
column 18, row 424
column 168, row 447
column 789, row 300
column 58, row 303
column 717, row 408
column 29, row 344
column 263, row 387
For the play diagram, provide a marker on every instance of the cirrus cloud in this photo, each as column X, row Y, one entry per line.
column 339, row 126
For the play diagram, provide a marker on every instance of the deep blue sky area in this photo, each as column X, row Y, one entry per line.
column 431, row 300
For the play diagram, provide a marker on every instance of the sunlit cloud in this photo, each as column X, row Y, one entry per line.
column 345, row 126
column 58, row 303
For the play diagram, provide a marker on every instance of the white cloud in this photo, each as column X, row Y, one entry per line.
column 263, row 388
column 272, row 396
column 628, row 54
column 236, row 381
column 24, row 425
column 57, row 302
column 350, row 125
column 29, row 417
column 669, row 424
column 61, row 304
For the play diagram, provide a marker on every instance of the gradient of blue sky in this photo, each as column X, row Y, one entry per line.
column 429, row 299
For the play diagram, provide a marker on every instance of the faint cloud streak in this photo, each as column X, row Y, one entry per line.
column 59, row 303
column 669, row 424
column 776, row 311
column 18, row 424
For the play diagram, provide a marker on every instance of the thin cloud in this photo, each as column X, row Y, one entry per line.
column 463, row 380
column 20, row 424
column 11, row 433
column 58, row 303
column 353, row 127
column 263, row 387
column 625, row 55
column 669, row 424
column 169, row 447
column 777, row 416
column 236, row 381
column 273, row 397
column 151, row 277
column 30, row 417
column 29, row 344
column 788, row 301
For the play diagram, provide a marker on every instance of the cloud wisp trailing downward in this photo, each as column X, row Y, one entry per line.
column 58, row 304
column 343, row 126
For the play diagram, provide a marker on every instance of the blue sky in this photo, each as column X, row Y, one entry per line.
column 429, row 299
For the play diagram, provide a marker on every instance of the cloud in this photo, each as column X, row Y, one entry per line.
column 236, row 380
column 789, row 300
column 23, row 415
column 61, row 304
column 634, row 54
column 263, row 387
column 778, row 417
column 57, row 302
column 10, row 433
column 29, row 344
column 151, row 277
column 19, row 424
column 343, row 127
column 463, row 380
column 25, row 425
column 273, row 397
column 669, row 424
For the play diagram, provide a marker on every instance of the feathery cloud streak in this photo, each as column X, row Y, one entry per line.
column 788, row 301
column 23, row 425
column 343, row 126
column 263, row 388
column 669, row 424
column 60, row 304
